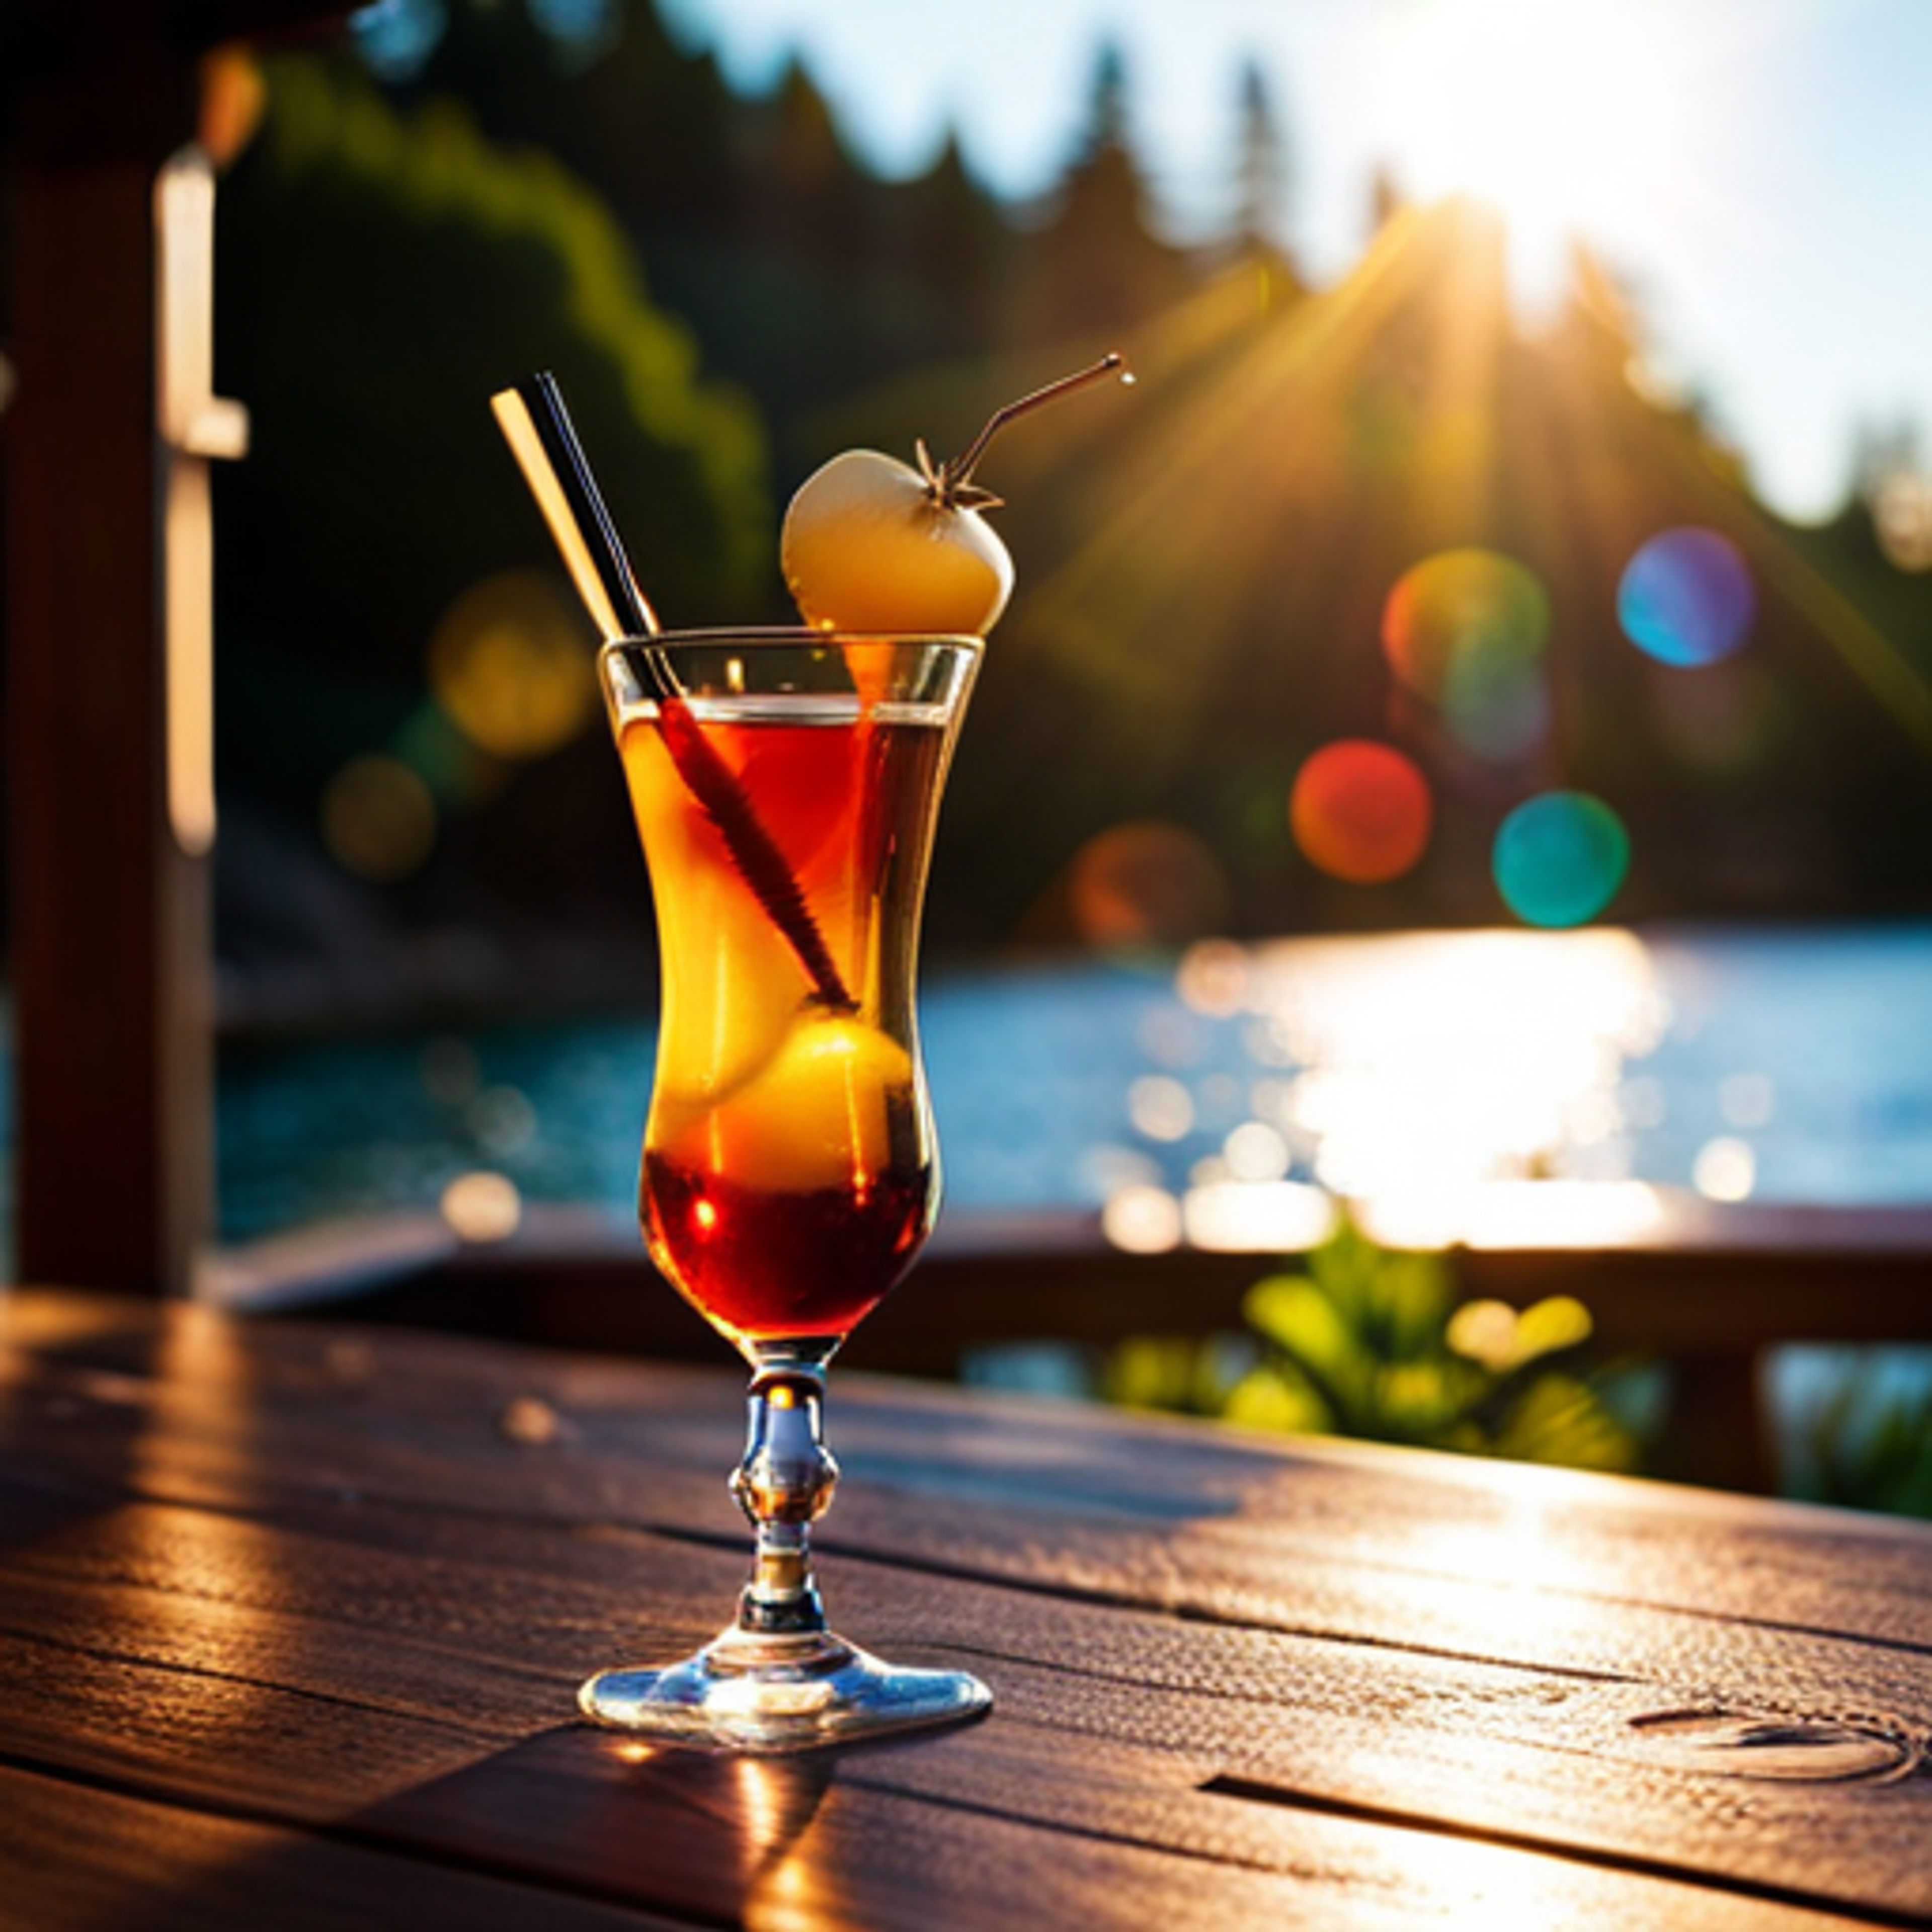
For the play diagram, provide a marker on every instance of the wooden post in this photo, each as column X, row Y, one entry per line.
column 109, row 751
column 109, row 915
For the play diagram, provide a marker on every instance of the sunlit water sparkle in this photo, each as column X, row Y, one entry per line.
column 1413, row 1070
column 1560, row 1080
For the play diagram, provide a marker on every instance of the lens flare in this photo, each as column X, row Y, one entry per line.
column 1571, row 119
column 1465, row 630
column 1559, row 859
column 1360, row 810
column 1687, row 597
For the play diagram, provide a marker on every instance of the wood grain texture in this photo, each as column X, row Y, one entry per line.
column 78, row 1858
column 308, row 1580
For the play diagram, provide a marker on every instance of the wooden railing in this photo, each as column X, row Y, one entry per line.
column 1709, row 1290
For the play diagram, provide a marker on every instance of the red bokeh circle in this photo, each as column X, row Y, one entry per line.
column 1361, row 811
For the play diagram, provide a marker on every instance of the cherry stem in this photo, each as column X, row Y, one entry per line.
column 960, row 471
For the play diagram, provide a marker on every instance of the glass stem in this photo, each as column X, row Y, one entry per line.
column 784, row 1485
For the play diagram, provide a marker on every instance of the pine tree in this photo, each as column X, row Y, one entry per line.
column 1095, row 267
column 1261, row 176
column 381, row 274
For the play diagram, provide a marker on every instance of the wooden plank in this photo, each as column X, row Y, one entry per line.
column 1053, row 1496
column 919, row 1832
column 449, row 1581
column 883, row 1837
column 209, row 1655
column 345, row 1523
column 1523, row 1578
column 788, row 1845
column 76, row 1858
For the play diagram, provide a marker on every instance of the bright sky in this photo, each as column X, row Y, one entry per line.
column 1760, row 171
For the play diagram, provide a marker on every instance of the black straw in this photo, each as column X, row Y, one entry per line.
column 543, row 439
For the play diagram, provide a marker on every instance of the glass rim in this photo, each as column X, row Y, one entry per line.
column 792, row 637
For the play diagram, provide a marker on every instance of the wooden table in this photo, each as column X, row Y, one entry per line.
column 291, row 1617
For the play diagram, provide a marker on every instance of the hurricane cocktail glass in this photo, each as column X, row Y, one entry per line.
column 785, row 785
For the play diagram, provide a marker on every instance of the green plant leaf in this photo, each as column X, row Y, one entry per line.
column 1559, row 1419
column 1301, row 1320
column 1278, row 1398
column 1414, row 1295
column 1558, row 1322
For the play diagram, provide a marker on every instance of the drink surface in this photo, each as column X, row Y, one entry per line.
column 789, row 1167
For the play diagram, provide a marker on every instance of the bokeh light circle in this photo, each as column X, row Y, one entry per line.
column 378, row 818
column 1902, row 510
column 510, row 663
column 1687, row 597
column 233, row 95
column 1146, row 883
column 1361, row 811
column 1464, row 630
column 1457, row 604
column 1559, row 858
column 1141, row 1220
column 483, row 1206
column 1497, row 706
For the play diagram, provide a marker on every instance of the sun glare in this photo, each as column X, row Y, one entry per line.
column 1557, row 115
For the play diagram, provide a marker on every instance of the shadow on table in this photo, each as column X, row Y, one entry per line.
column 572, row 1831
column 602, row 1817
column 76, row 1404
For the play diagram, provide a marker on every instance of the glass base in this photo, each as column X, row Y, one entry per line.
column 743, row 1692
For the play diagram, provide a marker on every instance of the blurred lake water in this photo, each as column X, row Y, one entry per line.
column 1428, row 1075
column 1555, row 1088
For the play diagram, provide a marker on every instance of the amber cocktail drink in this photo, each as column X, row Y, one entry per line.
column 785, row 785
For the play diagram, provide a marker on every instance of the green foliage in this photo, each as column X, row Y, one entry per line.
column 806, row 275
column 1863, row 1449
column 1373, row 1343
column 381, row 276
column 1180, row 1373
